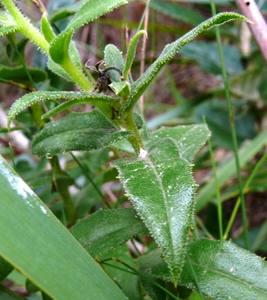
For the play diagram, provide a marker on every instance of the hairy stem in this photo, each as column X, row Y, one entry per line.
column 26, row 27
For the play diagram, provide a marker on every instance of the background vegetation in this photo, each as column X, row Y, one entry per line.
column 217, row 81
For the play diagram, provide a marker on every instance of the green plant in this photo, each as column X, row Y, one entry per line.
column 155, row 169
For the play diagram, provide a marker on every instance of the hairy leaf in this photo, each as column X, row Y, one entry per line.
column 76, row 131
column 113, row 58
column 131, row 52
column 171, row 50
column 160, row 186
column 21, row 75
column 88, row 12
column 74, row 97
column 189, row 138
column 38, row 245
column 222, row 270
column 107, row 229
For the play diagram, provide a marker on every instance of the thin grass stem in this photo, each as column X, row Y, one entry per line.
column 233, row 128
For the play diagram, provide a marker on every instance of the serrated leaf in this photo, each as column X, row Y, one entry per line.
column 160, row 186
column 171, row 50
column 131, row 52
column 188, row 138
column 113, row 58
column 222, row 270
column 38, row 245
column 20, row 74
column 89, row 11
column 76, row 131
column 107, row 229
column 36, row 97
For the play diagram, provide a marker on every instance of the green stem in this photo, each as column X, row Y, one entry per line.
column 218, row 192
column 25, row 26
column 135, row 139
column 246, row 186
column 61, row 186
column 77, row 75
column 233, row 129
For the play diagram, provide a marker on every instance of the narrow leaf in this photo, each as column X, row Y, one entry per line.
column 131, row 52
column 222, row 270
column 171, row 50
column 36, row 97
column 88, row 12
column 107, row 229
column 160, row 186
column 76, row 131
column 47, row 29
column 44, row 251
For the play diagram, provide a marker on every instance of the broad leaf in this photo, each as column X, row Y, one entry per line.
column 36, row 97
column 160, row 186
column 131, row 52
column 171, row 50
column 217, row 269
column 88, row 12
column 107, row 229
column 222, row 270
column 19, row 74
column 38, row 245
column 77, row 131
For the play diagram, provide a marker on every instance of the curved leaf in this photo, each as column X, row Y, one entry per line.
column 107, row 229
column 38, row 245
column 160, row 186
column 32, row 98
column 222, row 270
column 171, row 50
column 131, row 52
column 88, row 12
column 77, row 131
